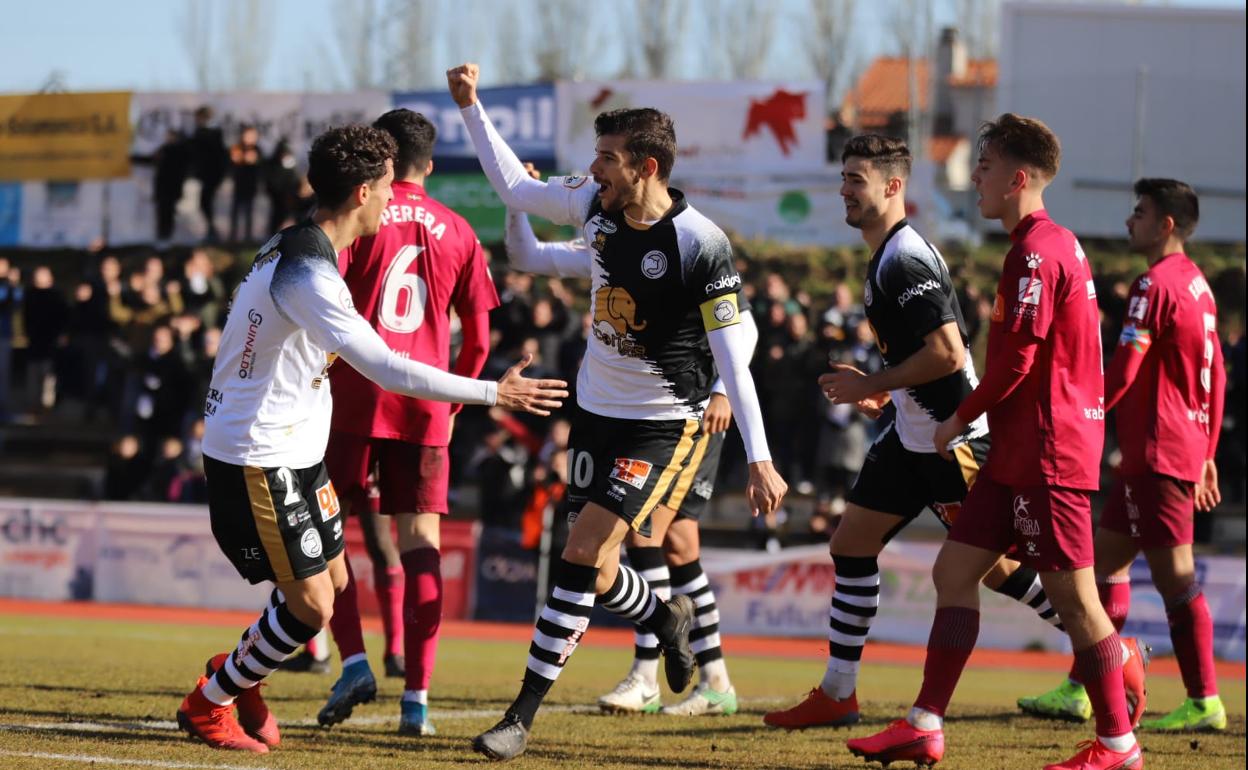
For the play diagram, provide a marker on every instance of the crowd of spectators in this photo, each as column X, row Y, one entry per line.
column 133, row 345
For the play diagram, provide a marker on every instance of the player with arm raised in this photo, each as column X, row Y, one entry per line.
column 267, row 415
column 423, row 262
column 1168, row 383
column 913, row 310
column 669, row 561
column 665, row 318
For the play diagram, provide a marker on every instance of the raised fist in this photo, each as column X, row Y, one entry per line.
column 462, row 82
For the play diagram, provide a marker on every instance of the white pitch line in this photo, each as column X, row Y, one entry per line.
column 94, row 760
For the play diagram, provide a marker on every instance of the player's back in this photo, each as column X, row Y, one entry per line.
column 424, row 260
column 1163, row 419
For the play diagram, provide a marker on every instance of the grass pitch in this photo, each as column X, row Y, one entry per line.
column 77, row 693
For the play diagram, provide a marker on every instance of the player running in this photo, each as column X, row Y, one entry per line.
column 1043, row 390
column 913, row 310
column 670, row 563
column 665, row 318
column 1168, row 382
column 423, row 261
column 267, row 414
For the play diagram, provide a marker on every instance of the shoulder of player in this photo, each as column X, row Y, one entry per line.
column 697, row 235
column 1047, row 247
column 906, row 252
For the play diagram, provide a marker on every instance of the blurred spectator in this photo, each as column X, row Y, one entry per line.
column 85, row 367
column 157, row 393
column 173, row 166
column 790, row 367
column 840, row 321
column 11, row 294
column 209, row 161
column 245, row 170
column 203, row 292
column 281, row 184
column 127, row 468
column 45, row 317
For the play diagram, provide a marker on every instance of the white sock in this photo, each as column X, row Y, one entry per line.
column 416, row 696
column 1121, row 743
column 840, row 679
column 647, row 670
column 715, row 675
column 356, row 658
column 920, row 719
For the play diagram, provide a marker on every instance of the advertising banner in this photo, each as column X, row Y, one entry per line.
column 802, row 209
column 523, row 115
column 55, row 214
column 506, row 578
column 10, row 213
column 65, row 136
column 1222, row 582
column 742, row 127
column 46, row 549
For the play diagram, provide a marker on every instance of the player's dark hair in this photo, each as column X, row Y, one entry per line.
column 648, row 133
column 343, row 158
column 415, row 137
column 1025, row 140
column 1173, row 199
column 888, row 155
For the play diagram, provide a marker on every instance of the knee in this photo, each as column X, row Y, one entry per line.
column 580, row 553
column 316, row 611
column 951, row 581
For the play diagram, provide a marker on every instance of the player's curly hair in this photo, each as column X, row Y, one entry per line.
column 1025, row 140
column 648, row 133
column 343, row 158
column 888, row 155
column 1173, row 199
column 415, row 137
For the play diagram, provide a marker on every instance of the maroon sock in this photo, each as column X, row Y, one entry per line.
column 422, row 614
column 954, row 631
column 1191, row 631
column 1116, row 599
column 388, row 584
column 1101, row 668
column 345, row 623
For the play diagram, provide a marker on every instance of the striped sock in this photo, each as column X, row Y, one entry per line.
column 630, row 597
column 273, row 638
column 559, row 628
column 652, row 567
column 690, row 580
column 855, row 600
column 1024, row 585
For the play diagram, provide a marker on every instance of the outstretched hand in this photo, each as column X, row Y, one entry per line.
column 462, row 82
column 520, row 393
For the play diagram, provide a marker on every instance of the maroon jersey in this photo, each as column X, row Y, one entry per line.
column 423, row 261
column 1050, row 429
column 1164, row 416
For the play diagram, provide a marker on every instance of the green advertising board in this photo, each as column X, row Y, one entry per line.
column 471, row 196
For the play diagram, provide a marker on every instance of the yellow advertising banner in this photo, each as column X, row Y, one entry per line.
column 65, row 137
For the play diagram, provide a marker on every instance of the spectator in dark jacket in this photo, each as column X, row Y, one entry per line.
column 210, row 162
column 11, row 294
column 45, row 316
column 173, row 166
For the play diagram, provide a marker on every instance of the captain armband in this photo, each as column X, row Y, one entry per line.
column 720, row 312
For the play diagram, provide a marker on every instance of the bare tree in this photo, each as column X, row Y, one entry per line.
column 195, row 32
column 744, row 29
column 659, row 26
column 564, row 33
column 408, row 56
column 247, row 47
column 359, row 43
column 827, row 42
column 511, row 57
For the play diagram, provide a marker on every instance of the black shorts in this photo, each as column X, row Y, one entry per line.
column 626, row 466
column 896, row 480
column 276, row 524
column 696, row 483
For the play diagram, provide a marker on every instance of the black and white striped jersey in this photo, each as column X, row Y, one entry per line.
column 908, row 295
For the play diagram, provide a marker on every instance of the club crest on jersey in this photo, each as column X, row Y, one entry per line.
column 654, row 264
column 866, row 293
column 1034, row 260
column 575, row 182
column 1145, row 282
column 725, row 311
column 310, row 544
column 631, row 472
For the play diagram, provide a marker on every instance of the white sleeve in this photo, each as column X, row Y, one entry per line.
column 732, row 357
column 369, row 355
column 751, row 342
column 564, row 202
column 569, row 259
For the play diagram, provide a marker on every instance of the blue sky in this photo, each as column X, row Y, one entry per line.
column 132, row 44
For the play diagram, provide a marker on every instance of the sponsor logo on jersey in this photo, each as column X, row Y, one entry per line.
column 575, row 182
column 613, row 305
column 1137, row 307
column 725, row 311
column 947, row 512
column 1095, row 413
column 632, row 472
column 703, row 488
column 1139, row 339
column 1145, row 282
column 1034, row 260
column 916, row 291
column 248, row 360
column 1091, row 289
column 327, row 501
column 654, row 264
column 616, row 492
column 724, row 282
column 1029, row 290
column 603, row 224
column 310, row 544
column 570, row 646
column 1023, row 523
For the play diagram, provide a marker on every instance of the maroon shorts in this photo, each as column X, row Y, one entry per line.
column 409, row 478
column 1046, row 528
column 1157, row 511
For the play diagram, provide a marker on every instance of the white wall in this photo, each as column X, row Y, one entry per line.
column 1076, row 67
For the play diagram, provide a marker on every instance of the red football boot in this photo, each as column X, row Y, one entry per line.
column 817, row 710
column 215, row 725
column 901, row 741
column 1133, row 668
column 1096, row 756
column 253, row 713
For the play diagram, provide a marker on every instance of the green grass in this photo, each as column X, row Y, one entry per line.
column 58, row 675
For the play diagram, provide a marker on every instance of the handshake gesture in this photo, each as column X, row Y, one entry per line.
column 462, row 82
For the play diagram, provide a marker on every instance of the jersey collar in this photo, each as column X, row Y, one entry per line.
column 1028, row 222
column 889, row 236
column 408, row 188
